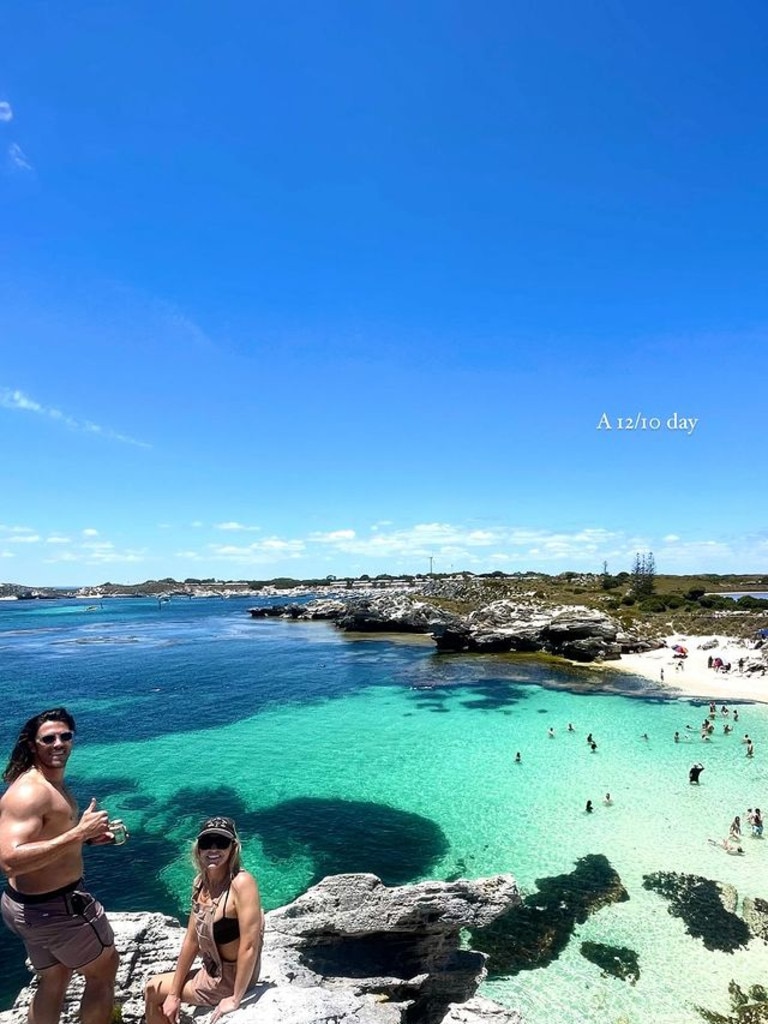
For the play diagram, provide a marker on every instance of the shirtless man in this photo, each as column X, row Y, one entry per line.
column 64, row 929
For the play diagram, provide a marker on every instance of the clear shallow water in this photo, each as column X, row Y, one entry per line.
column 338, row 754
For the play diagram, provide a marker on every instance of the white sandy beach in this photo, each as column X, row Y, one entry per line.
column 695, row 679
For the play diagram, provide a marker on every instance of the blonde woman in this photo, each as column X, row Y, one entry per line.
column 226, row 929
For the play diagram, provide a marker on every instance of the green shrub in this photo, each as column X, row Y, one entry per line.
column 653, row 604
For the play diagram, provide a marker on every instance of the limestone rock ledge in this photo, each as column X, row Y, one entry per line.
column 349, row 951
column 574, row 632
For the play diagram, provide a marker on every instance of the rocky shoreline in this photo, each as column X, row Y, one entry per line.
column 350, row 950
column 528, row 626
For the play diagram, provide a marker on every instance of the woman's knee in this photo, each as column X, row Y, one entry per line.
column 156, row 988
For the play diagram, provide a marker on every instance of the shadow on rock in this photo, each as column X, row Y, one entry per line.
column 536, row 933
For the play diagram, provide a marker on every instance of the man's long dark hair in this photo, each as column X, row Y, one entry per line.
column 22, row 756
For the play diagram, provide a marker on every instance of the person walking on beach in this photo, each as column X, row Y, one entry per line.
column 735, row 830
column 64, row 929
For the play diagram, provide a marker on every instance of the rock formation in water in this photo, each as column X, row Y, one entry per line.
column 534, row 933
column 707, row 908
column 349, row 951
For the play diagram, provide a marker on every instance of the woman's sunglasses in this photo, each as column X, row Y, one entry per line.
column 214, row 843
column 65, row 737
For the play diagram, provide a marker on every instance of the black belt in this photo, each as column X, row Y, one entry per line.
column 41, row 897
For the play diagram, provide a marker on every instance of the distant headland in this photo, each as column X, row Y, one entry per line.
column 649, row 604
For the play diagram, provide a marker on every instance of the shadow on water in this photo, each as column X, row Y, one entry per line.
column 342, row 836
column 481, row 695
column 701, row 903
column 338, row 836
column 536, row 933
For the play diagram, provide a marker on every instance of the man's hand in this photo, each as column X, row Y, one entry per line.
column 171, row 1007
column 94, row 824
column 225, row 1006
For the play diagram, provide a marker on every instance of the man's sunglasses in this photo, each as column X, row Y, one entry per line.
column 214, row 843
column 65, row 737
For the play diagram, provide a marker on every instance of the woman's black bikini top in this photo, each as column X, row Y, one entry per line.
column 226, row 929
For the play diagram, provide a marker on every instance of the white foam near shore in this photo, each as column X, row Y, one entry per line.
column 695, row 678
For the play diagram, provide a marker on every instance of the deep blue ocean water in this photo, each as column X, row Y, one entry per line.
column 338, row 753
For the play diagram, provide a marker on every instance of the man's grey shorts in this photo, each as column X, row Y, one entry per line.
column 66, row 927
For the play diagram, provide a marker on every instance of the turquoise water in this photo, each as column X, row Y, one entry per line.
column 372, row 754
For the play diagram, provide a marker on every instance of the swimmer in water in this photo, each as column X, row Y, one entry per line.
column 589, row 807
column 728, row 845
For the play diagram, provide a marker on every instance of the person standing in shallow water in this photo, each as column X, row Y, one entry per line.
column 64, row 929
column 226, row 929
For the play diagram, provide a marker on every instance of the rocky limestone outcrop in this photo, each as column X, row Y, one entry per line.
column 575, row 632
column 350, row 950
column 578, row 633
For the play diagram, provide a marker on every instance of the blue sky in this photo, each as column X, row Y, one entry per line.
column 337, row 288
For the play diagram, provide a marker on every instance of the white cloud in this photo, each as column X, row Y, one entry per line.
column 14, row 399
column 56, row 539
column 17, row 157
column 6, row 113
column 90, row 532
column 333, row 537
column 236, row 526
column 23, row 538
column 265, row 551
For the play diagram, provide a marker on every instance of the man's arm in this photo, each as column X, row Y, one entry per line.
column 22, row 820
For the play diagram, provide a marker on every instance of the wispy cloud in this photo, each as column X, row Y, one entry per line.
column 6, row 113
column 18, row 158
column 511, row 548
column 17, row 400
column 266, row 551
column 235, row 526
